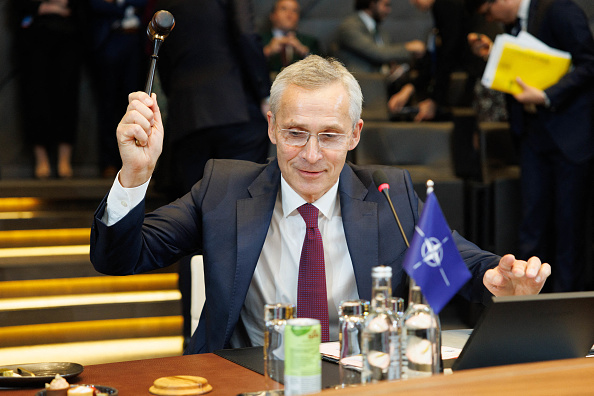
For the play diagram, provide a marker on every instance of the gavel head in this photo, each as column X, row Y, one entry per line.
column 160, row 25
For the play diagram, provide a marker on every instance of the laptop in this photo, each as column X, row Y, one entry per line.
column 522, row 329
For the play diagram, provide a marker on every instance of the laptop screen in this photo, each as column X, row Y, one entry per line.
column 521, row 329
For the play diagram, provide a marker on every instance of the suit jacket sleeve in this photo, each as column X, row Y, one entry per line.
column 565, row 27
column 139, row 243
column 355, row 37
column 450, row 19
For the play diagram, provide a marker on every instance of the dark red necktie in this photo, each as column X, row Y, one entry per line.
column 284, row 56
column 312, row 301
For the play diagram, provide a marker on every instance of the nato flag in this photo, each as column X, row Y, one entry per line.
column 433, row 260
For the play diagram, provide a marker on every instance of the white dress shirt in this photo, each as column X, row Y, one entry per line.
column 276, row 274
column 523, row 13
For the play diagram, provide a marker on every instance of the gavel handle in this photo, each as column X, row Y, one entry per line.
column 151, row 74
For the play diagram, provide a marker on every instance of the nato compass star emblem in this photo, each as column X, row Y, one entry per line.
column 432, row 252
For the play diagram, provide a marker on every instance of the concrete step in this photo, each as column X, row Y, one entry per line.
column 89, row 309
column 95, row 330
column 45, row 220
column 86, row 299
column 103, row 284
column 94, row 352
column 73, row 191
column 86, row 307
column 17, row 264
column 53, row 302
column 45, row 262
column 43, row 237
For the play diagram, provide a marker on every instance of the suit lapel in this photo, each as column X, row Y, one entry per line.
column 253, row 220
column 360, row 222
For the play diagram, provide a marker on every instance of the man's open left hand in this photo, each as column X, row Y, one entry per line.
column 516, row 277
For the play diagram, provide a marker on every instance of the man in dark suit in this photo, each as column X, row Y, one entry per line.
column 283, row 43
column 244, row 219
column 215, row 77
column 556, row 132
column 118, row 38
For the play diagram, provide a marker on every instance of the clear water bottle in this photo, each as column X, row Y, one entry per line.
column 421, row 338
column 380, row 341
column 351, row 321
column 396, row 304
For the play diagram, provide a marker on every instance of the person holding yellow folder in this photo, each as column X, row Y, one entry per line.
column 555, row 130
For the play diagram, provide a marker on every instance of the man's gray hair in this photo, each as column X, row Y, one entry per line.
column 316, row 72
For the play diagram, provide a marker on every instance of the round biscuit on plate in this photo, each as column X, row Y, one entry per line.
column 180, row 385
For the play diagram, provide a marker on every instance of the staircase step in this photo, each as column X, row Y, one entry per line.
column 43, row 255
column 53, row 333
column 53, row 304
column 55, row 188
column 95, row 352
column 72, row 190
column 48, row 221
column 45, row 262
column 43, row 237
column 103, row 284
column 85, row 307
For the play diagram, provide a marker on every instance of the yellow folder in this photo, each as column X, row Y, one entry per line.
column 524, row 56
column 536, row 68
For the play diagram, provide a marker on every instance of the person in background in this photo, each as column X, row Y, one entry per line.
column 50, row 50
column 118, row 38
column 249, row 220
column 448, row 51
column 283, row 44
column 555, row 129
column 363, row 46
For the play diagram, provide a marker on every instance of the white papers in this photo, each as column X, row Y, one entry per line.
column 519, row 56
column 331, row 351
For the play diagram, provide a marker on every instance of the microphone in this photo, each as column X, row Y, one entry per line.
column 381, row 181
column 157, row 30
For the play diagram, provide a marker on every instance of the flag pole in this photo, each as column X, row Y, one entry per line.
column 412, row 282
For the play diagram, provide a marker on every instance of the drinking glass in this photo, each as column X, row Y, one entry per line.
column 351, row 319
column 275, row 318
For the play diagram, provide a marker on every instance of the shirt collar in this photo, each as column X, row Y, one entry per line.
column 523, row 13
column 278, row 33
column 291, row 200
column 368, row 21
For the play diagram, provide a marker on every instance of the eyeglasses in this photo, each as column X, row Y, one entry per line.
column 326, row 140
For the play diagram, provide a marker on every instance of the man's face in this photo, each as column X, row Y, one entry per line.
column 381, row 9
column 505, row 11
column 285, row 15
column 311, row 170
column 423, row 5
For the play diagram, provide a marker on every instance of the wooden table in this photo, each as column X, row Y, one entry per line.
column 561, row 377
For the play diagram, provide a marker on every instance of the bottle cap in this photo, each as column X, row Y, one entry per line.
column 352, row 308
column 381, row 271
column 278, row 311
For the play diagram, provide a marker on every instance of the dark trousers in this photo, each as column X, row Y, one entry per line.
column 118, row 72
column 555, row 196
column 246, row 141
column 50, row 75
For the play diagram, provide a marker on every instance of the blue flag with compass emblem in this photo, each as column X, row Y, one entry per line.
column 433, row 260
